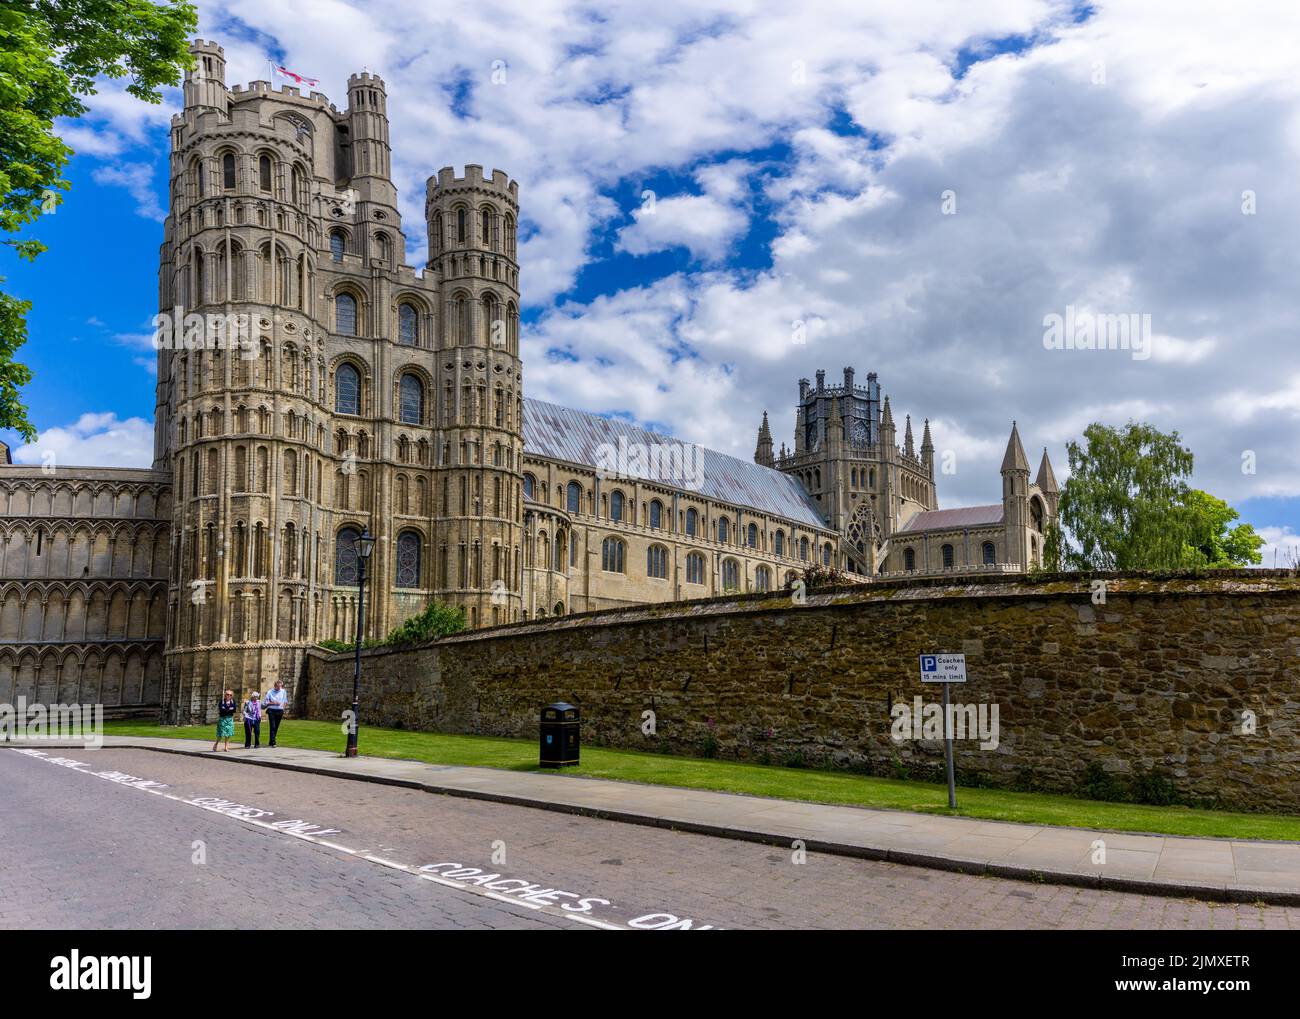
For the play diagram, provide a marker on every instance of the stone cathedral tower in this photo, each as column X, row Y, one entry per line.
column 310, row 385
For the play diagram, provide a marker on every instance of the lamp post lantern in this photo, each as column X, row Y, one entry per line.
column 365, row 544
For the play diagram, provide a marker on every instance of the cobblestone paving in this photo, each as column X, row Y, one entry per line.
column 81, row 851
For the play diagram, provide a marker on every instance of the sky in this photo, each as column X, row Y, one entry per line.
column 719, row 198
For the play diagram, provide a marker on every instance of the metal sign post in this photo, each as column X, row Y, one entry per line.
column 945, row 669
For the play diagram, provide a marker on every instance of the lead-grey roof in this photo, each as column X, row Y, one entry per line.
column 562, row 433
column 952, row 519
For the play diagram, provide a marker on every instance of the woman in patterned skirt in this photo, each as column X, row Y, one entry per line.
column 225, row 720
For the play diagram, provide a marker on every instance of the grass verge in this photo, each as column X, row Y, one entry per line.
column 765, row 780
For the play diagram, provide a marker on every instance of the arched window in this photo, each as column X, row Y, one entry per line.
column 730, row 575
column 460, row 225
column 722, row 529
column 347, row 390
column 530, row 486
column 336, row 245
column 345, row 315
column 383, row 248
column 408, row 325
column 989, row 553
column 694, row 568
column 763, row 579
column 485, row 227
column 803, row 549
column 264, row 173
column 826, row 554
column 778, row 543
column 574, row 493
column 692, row 522
column 412, row 399
column 616, row 506
column 612, row 555
column 345, row 556
column 408, row 559
column 751, row 538
column 909, row 559
column 228, row 171
column 656, row 562
column 656, row 514
column 947, row 557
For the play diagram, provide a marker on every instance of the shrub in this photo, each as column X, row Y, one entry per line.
column 435, row 621
column 818, row 576
column 1152, row 787
column 1099, row 784
column 1143, row 786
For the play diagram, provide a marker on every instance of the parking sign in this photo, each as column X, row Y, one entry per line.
column 943, row 668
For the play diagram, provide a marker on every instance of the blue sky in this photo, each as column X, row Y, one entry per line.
column 1099, row 157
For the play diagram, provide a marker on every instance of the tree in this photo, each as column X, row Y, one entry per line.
column 1123, row 502
column 1127, row 506
column 1211, row 543
column 51, row 52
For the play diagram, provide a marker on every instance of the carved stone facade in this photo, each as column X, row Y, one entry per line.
column 83, row 599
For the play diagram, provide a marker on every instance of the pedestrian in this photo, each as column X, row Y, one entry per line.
column 225, row 720
column 253, row 721
column 276, row 701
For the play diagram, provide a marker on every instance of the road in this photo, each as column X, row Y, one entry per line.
column 139, row 839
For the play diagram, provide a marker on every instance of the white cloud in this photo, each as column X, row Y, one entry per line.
column 137, row 178
column 1281, row 548
column 93, row 440
column 1104, row 168
column 707, row 224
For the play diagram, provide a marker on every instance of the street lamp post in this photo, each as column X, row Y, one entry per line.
column 365, row 545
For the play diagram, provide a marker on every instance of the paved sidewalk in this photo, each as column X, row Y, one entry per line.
column 1219, row 869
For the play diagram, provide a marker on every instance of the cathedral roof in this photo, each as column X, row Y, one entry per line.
column 953, row 519
column 562, row 433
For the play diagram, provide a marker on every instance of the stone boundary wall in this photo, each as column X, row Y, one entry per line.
column 1157, row 676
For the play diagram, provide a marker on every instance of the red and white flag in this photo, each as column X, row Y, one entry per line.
column 296, row 77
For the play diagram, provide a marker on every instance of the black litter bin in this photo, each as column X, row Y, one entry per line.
column 559, row 737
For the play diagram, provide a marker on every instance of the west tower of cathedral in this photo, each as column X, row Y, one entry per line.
column 335, row 389
column 364, row 396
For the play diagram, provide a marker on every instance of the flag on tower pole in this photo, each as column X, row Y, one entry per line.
column 295, row 77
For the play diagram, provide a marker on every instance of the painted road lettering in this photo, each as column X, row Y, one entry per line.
column 530, row 892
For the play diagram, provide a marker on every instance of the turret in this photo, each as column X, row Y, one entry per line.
column 908, row 446
column 888, row 432
column 471, row 221
column 927, row 450
column 1046, row 482
column 1015, row 499
column 763, row 451
column 368, row 135
column 205, row 82
column 835, row 427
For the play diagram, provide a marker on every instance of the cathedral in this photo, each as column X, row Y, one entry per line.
column 330, row 390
